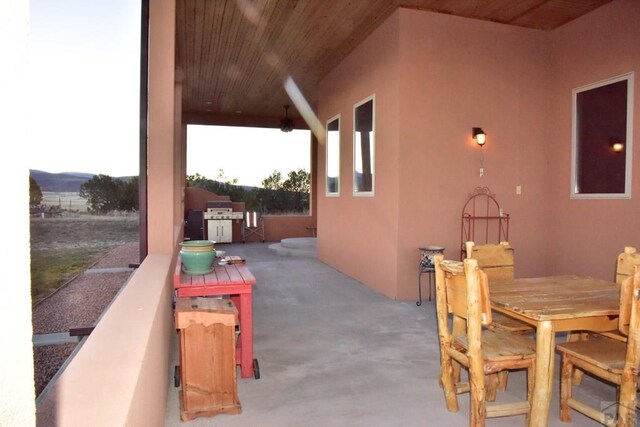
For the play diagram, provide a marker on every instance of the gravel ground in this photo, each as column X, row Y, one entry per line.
column 79, row 303
column 47, row 359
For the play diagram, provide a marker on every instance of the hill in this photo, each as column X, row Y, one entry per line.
column 64, row 181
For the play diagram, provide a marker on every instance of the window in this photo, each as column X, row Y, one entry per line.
column 602, row 126
column 364, row 147
column 333, row 156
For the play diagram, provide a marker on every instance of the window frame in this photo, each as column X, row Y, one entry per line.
column 356, row 191
column 575, row 194
column 336, row 193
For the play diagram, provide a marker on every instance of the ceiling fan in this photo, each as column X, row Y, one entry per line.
column 286, row 124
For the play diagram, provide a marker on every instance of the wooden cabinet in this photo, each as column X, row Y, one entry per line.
column 206, row 328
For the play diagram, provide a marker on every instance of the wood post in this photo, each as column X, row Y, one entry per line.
column 565, row 389
column 544, row 374
column 477, row 411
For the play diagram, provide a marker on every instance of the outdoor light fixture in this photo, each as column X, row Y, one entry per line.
column 617, row 147
column 286, row 124
column 479, row 135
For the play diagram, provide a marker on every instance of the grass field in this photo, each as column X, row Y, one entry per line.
column 63, row 247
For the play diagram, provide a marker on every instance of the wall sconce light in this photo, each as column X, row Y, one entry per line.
column 479, row 135
column 617, row 147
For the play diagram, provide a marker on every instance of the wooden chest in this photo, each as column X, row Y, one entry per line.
column 206, row 329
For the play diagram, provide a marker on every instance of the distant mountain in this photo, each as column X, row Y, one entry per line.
column 64, row 181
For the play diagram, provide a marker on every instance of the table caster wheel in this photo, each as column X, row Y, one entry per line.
column 256, row 369
column 176, row 376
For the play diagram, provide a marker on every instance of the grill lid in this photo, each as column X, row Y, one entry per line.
column 219, row 204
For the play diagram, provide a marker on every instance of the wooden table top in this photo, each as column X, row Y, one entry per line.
column 557, row 297
column 230, row 274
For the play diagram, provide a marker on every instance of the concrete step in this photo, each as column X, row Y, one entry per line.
column 299, row 246
column 299, row 243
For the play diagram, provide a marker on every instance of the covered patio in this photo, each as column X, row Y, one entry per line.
column 333, row 352
column 434, row 73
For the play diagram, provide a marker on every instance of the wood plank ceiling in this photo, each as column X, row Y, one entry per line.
column 233, row 55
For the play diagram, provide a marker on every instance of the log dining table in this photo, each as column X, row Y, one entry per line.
column 555, row 304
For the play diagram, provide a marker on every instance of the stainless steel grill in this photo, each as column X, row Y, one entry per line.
column 221, row 210
column 219, row 216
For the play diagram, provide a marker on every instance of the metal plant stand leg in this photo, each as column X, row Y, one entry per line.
column 426, row 266
column 421, row 271
column 419, row 302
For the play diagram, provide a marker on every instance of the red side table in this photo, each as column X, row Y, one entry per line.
column 235, row 280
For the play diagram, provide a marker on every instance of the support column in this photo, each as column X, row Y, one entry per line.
column 313, row 201
column 180, row 154
column 161, row 155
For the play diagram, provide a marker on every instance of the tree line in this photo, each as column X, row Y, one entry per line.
column 277, row 195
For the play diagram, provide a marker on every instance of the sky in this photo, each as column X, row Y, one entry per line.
column 84, row 79
column 248, row 154
column 83, row 75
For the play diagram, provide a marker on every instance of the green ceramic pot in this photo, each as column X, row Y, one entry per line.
column 197, row 245
column 197, row 262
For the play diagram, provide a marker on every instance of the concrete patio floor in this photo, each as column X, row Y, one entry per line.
column 333, row 352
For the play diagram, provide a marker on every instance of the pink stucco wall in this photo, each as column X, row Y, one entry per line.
column 586, row 235
column 459, row 73
column 437, row 76
column 358, row 235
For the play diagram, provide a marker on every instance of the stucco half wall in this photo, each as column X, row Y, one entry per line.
column 120, row 375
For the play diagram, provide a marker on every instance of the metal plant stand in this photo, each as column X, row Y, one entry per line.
column 426, row 265
column 483, row 220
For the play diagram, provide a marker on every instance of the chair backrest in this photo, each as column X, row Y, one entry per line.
column 628, row 295
column 627, row 260
column 630, row 325
column 253, row 219
column 496, row 260
column 454, row 293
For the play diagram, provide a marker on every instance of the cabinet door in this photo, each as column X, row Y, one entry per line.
column 208, row 371
column 212, row 232
column 224, row 231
